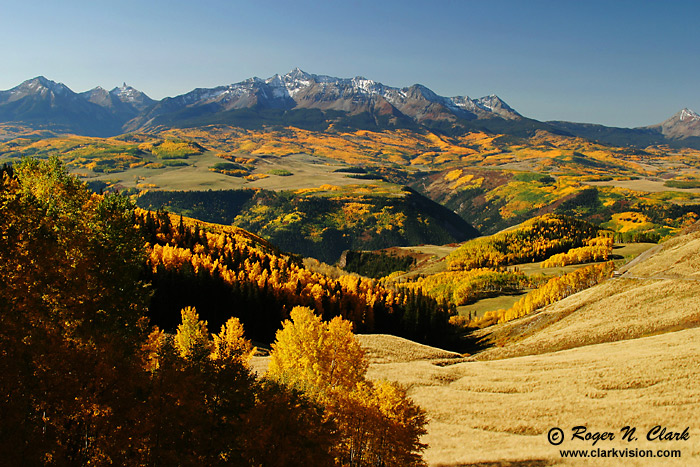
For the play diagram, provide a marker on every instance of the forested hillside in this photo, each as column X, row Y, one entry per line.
column 535, row 240
column 226, row 271
column 86, row 379
column 325, row 221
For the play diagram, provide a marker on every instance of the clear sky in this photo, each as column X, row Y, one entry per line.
column 620, row 63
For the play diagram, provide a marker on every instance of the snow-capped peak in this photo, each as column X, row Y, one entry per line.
column 123, row 89
column 366, row 86
column 127, row 93
column 297, row 74
column 42, row 84
column 687, row 114
column 492, row 101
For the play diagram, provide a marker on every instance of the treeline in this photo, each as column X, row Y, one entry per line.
column 555, row 289
column 86, row 380
column 376, row 264
column 225, row 271
column 463, row 287
column 535, row 240
column 233, row 169
column 637, row 237
column 597, row 249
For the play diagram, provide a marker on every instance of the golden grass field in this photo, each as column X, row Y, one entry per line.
column 623, row 353
column 648, row 185
column 488, row 413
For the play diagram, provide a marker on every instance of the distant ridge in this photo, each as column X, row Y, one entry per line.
column 45, row 104
column 681, row 130
column 307, row 101
column 684, row 124
column 318, row 101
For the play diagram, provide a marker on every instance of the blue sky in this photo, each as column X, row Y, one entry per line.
column 621, row 63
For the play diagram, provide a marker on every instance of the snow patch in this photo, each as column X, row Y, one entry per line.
column 687, row 114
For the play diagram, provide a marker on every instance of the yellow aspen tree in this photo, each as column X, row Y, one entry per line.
column 378, row 424
column 230, row 344
column 322, row 355
column 398, row 442
column 192, row 337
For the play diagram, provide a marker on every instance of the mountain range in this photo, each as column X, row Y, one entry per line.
column 309, row 101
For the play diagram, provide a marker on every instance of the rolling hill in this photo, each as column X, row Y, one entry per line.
column 491, row 181
column 623, row 353
column 656, row 295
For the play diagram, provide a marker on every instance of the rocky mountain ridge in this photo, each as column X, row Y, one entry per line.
column 305, row 100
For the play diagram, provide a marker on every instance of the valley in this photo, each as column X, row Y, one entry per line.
column 491, row 186
column 582, row 361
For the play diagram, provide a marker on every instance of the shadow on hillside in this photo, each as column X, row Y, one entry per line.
column 523, row 463
column 472, row 343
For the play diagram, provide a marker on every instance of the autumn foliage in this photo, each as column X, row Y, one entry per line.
column 553, row 290
column 71, row 308
column 86, row 380
column 596, row 249
column 534, row 241
column 225, row 271
column 462, row 287
column 377, row 424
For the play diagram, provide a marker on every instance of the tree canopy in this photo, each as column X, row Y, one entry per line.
column 86, row 380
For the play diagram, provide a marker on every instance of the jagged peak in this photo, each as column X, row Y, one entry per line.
column 123, row 88
column 43, row 82
column 687, row 114
column 492, row 100
column 129, row 93
column 298, row 73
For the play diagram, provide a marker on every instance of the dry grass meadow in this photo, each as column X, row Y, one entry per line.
column 307, row 172
column 488, row 413
column 623, row 353
column 646, row 185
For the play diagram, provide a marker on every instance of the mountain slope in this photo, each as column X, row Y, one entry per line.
column 300, row 98
column 658, row 294
column 43, row 103
column 621, row 353
column 124, row 103
column 498, row 413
